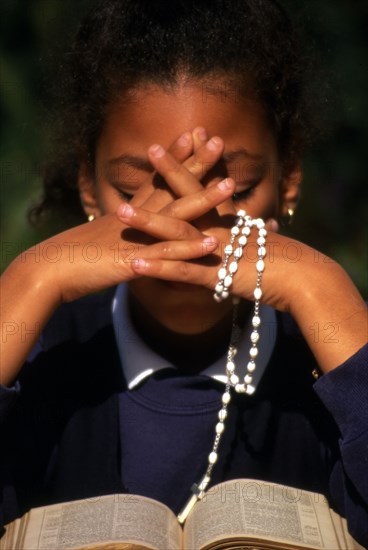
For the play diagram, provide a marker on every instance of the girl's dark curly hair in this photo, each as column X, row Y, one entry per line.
column 124, row 44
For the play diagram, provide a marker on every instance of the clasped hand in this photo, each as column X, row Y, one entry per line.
column 191, row 215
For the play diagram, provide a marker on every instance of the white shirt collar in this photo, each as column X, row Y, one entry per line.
column 139, row 361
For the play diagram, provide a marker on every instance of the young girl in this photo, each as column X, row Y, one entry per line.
column 177, row 116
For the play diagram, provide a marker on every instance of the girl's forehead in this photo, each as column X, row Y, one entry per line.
column 153, row 113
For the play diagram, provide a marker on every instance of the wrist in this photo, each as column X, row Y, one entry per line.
column 34, row 277
column 28, row 299
column 329, row 311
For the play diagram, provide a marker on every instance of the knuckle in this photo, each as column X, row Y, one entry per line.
column 166, row 251
column 197, row 167
column 172, row 210
column 208, row 197
column 182, row 232
column 183, row 269
column 173, row 168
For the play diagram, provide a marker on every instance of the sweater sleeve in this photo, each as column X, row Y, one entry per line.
column 344, row 392
column 8, row 396
column 9, row 400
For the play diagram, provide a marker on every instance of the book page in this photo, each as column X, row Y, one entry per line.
column 341, row 529
column 261, row 511
column 8, row 540
column 126, row 518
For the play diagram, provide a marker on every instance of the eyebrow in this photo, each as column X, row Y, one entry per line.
column 130, row 160
column 142, row 164
column 241, row 154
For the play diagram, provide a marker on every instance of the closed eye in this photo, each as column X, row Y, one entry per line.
column 246, row 193
column 124, row 195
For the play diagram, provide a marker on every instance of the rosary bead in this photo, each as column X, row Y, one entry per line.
column 224, row 294
column 262, row 232
column 217, row 298
column 260, row 223
column 241, row 213
column 246, row 230
column 261, row 241
column 261, row 252
column 235, row 230
column 226, row 398
column 230, row 366
column 251, row 367
column 256, row 321
column 248, row 379
column 221, row 273
column 254, row 337
column 234, row 379
column 222, row 414
column 228, row 249
column 260, row 265
column 212, row 457
column 240, row 388
column 242, row 240
column 257, row 293
column 233, row 267
column 220, row 426
column 253, row 352
column 228, row 281
column 219, row 287
column 238, row 253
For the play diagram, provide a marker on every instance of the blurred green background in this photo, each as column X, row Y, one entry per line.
column 333, row 212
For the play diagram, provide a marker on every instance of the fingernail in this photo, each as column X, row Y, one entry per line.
column 224, row 185
column 184, row 139
column 210, row 240
column 213, row 144
column 125, row 211
column 157, row 151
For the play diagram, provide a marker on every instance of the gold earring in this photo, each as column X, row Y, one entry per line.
column 288, row 219
column 91, row 217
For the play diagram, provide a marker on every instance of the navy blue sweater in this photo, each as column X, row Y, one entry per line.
column 75, row 431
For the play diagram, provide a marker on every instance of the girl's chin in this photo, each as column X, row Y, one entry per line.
column 180, row 307
column 183, row 287
column 189, row 324
column 191, row 312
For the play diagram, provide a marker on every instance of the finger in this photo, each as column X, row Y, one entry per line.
column 156, row 225
column 176, row 270
column 205, row 158
column 199, row 136
column 181, row 150
column 184, row 180
column 180, row 250
column 200, row 203
column 183, row 147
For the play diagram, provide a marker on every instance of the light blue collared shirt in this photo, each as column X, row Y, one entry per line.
column 139, row 361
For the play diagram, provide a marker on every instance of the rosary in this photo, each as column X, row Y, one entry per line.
column 233, row 253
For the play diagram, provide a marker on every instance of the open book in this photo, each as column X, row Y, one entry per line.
column 236, row 514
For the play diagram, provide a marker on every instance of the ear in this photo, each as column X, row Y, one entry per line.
column 87, row 191
column 290, row 189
